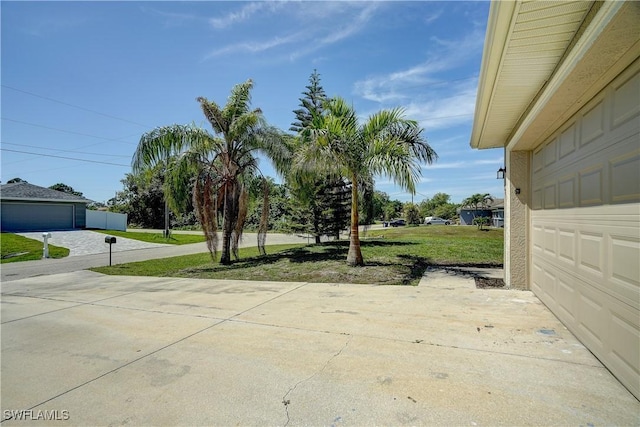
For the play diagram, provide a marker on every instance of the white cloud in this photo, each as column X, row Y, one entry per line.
column 245, row 13
column 338, row 31
column 498, row 161
column 171, row 19
column 452, row 165
column 422, row 79
column 315, row 25
column 433, row 17
column 351, row 27
column 254, row 46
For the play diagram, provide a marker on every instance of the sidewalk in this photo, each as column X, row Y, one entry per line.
column 113, row 350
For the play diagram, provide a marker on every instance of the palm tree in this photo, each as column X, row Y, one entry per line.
column 386, row 144
column 477, row 200
column 158, row 147
column 217, row 165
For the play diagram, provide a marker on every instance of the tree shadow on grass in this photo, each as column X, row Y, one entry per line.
column 313, row 253
column 417, row 266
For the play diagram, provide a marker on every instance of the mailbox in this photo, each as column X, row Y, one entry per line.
column 45, row 249
column 110, row 240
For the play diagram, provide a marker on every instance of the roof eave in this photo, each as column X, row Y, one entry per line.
column 499, row 25
column 35, row 199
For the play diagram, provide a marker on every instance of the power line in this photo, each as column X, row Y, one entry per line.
column 76, row 106
column 67, row 131
column 64, row 151
column 64, row 157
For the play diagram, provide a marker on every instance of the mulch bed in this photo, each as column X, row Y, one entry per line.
column 489, row 283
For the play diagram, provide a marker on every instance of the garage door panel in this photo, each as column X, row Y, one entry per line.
column 567, row 246
column 36, row 216
column 625, row 333
column 625, row 101
column 606, row 254
column 625, row 178
column 592, row 126
column 625, row 262
column 591, row 183
column 592, row 315
column 590, row 248
column 566, row 299
column 585, row 226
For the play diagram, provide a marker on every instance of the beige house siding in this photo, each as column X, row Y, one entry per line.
column 585, row 222
column 559, row 89
column 517, row 221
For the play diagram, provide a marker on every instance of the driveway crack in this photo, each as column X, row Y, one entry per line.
column 286, row 402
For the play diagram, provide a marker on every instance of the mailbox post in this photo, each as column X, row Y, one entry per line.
column 45, row 249
column 110, row 240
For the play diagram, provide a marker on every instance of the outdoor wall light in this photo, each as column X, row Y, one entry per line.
column 501, row 172
column 517, row 191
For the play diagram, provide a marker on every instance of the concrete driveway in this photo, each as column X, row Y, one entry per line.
column 86, row 242
column 89, row 349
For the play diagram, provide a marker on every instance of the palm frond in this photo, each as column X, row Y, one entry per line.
column 238, row 102
column 161, row 143
column 214, row 115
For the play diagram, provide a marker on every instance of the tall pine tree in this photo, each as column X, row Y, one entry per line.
column 327, row 197
column 312, row 103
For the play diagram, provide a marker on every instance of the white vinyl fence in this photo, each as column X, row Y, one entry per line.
column 106, row 220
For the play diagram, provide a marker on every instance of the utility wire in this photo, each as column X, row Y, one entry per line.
column 68, row 131
column 77, row 106
column 65, row 151
column 64, row 157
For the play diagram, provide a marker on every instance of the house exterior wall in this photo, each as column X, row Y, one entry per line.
column 497, row 218
column 467, row 215
column 80, row 220
column 516, row 230
column 584, row 226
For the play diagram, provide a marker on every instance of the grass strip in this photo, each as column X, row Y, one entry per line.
column 392, row 257
column 16, row 248
column 174, row 239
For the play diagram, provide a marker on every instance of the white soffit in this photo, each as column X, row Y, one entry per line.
column 524, row 44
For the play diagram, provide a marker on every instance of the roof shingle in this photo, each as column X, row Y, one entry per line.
column 25, row 191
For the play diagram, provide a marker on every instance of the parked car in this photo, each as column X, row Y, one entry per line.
column 397, row 222
column 434, row 220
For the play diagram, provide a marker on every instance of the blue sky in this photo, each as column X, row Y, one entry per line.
column 83, row 80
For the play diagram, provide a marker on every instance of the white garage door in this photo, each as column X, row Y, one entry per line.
column 36, row 216
column 585, row 219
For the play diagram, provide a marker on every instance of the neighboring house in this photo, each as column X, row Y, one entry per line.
column 559, row 91
column 497, row 214
column 27, row 207
column 468, row 213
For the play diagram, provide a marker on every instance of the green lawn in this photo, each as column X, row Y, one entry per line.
column 16, row 248
column 174, row 239
column 397, row 256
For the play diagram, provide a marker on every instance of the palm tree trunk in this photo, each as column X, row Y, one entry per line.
column 166, row 218
column 354, row 257
column 227, row 227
